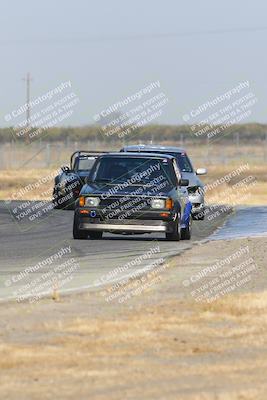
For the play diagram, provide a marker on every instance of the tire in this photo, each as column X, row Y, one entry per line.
column 186, row 232
column 78, row 233
column 176, row 234
column 199, row 217
column 57, row 206
column 60, row 205
column 95, row 234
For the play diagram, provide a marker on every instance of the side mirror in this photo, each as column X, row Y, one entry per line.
column 65, row 168
column 184, row 182
column 201, row 171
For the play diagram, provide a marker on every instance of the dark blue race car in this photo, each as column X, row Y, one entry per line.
column 133, row 193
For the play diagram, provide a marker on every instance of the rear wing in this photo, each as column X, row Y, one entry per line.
column 80, row 153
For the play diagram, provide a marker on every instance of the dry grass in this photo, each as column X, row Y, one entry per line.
column 246, row 304
column 11, row 181
column 251, row 193
column 175, row 350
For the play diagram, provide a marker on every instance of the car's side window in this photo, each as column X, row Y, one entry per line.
column 176, row 170
column 76, row 163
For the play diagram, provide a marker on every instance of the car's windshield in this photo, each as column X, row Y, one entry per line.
column 133, row 171
column 84, row 163
column 182, row 159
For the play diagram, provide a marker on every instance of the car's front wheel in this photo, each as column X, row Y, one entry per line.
column 199, row 216
column 59, row 201
column 186, row 232
column 78, row 233
column 176, row 234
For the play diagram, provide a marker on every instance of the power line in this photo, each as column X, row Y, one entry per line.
column 96, row 39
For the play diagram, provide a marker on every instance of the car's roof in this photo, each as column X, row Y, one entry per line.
column 151, row 147
column 137, row 154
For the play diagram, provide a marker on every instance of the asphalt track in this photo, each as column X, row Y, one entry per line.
column 86, row 264
column 246, row 222
column 23, row 245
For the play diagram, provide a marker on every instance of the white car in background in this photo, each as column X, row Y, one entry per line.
column 195, row 187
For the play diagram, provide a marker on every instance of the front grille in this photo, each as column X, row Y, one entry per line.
column 113, row 207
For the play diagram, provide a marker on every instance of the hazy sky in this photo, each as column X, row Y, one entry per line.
column 113, row 48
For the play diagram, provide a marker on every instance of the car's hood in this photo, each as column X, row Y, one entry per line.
column 114, row 190
column 193, row 179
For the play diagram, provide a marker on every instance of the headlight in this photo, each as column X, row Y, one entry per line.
column 92, row 201
column 157, row 203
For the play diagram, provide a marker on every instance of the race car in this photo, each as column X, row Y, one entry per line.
column 195, row 187
column 133, row 193
column 70, row 180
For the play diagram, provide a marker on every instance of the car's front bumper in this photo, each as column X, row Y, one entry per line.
column 198, row 203
column 139, row 222
column 198, row 208
column 127, row 227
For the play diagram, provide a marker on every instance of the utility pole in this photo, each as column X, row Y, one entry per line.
column 237, row 141
column 28, row 80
